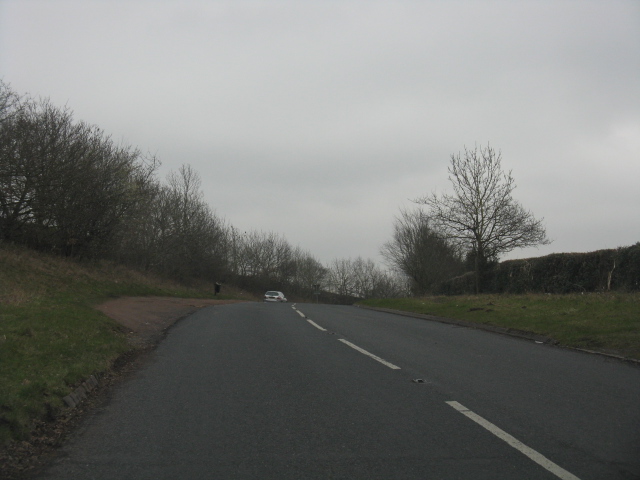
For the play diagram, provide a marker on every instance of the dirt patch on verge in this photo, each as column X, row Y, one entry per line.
column 146, row 319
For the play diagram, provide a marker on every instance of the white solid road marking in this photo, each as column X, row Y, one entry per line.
column 361, row 350
column 521, row 447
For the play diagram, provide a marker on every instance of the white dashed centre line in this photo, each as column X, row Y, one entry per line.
column 309, row 320
column 355, row 347
column 316, row 325
column 369, row 354
column 515, row 443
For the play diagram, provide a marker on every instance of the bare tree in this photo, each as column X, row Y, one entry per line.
column 307, row 272
column 12, row 208
column 65, row 186
column 340, row 277
column 422, row 253
column 10, row 102
column 262, row 260
column 138, row 237
column 390, row 284
column 361, row 278
column 191, row 241
column 365, row 275
column 481, row 214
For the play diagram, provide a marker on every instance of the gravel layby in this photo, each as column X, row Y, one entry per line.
column 146, row 321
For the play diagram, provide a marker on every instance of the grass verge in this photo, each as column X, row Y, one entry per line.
column 51, row 336
column 608, row 323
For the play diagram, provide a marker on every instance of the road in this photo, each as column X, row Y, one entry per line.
column 306, row 391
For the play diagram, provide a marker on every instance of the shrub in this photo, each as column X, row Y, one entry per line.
column 603, row 270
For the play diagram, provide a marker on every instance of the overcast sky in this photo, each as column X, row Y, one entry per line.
column 321, row 120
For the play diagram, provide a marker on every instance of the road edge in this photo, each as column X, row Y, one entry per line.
column 512, row 332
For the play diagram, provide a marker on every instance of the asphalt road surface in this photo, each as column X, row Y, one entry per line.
column 281, row 391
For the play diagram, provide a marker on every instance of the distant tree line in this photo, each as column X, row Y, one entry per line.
column 67, row 188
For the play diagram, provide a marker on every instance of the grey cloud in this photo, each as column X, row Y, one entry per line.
column 339, row 112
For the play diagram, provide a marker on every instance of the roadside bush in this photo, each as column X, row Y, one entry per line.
column 460, row 285
column 600, row 271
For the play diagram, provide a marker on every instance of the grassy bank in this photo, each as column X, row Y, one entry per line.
column 602, row 322
column 52, row 337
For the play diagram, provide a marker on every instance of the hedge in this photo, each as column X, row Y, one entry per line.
column 603, row 270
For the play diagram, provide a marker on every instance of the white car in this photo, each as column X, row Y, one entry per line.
column 273, row 296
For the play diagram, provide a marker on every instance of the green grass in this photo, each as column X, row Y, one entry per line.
column 51, row 336
column 45, row 349
column 608, row 322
